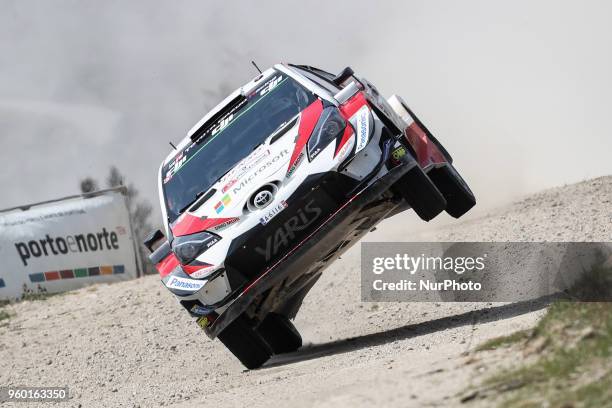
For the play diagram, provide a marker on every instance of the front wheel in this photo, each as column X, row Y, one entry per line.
column 245, row 343
column 420, row 192
column 280, row 333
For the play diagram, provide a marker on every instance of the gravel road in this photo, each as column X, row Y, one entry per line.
column 130, row 344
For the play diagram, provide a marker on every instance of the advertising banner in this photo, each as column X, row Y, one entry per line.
column 67, row 244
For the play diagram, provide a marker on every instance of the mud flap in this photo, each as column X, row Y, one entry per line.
column 419, row 191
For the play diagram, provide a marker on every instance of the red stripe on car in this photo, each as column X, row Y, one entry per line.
column 348, row 133
column 427, row 153
column 190, row 269
column 167, row 265
column 190, row 224
column 351, row 106
column 309, row 118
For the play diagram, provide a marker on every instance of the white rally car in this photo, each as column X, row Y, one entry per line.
column 276, row 182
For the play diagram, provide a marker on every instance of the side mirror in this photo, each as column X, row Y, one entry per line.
column 347, row 92
column 153, row 239
column 343, row 76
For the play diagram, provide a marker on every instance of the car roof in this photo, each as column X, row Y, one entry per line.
column 245, row 89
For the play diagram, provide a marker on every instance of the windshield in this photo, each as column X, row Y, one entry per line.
column 231, row 137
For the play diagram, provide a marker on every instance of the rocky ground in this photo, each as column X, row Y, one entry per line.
column 130, row 344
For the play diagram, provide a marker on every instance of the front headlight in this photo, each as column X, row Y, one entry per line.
column 330, row 125
column 188, row 247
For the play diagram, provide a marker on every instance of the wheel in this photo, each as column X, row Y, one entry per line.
column 420, row 192
column 280, row 333
column 459, row 197
column 245, row 343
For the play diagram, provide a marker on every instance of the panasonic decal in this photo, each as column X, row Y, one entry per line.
column 361, row 122
column 185, row 284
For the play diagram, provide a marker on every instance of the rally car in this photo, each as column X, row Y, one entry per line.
column 276, row 182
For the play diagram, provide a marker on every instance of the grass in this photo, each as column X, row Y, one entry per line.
column 28, row 295
column 39, row 296
column 569, row 352
column 39, row 293
column 574, row 360
column 4, row 315
column 505, row 341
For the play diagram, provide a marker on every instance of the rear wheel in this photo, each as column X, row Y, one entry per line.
column 420, row 192
column 245, row 343
column 280, row 333
column 459, row 197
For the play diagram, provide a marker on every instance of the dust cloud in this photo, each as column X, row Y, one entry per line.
column 519, row 92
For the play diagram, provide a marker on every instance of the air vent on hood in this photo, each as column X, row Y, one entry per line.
column 284, row 129
column 202, row 200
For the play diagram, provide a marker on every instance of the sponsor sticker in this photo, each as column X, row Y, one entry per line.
column 199, row 310
column 397, row 154
column 273, row 212
column 226, row 224
column 203, row 322
column 243, row 167
column 228, row 185
column 362, row 127
column 346, row 149
column 175, row 166
column 295, row 165
column 269, row 85
column 200, row 273
column 176, row 282
column 219, row 207
column 221, row 204
column 285, row 234
column 278, row 158
column 223, row 124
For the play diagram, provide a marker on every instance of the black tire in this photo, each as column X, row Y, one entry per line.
column 459, row 197
column 245, row 343
column 280, row 334
column 420, row 193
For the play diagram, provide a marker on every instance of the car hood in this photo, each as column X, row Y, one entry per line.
column 268, row 163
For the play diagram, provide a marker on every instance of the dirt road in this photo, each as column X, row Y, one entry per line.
column 130, row 344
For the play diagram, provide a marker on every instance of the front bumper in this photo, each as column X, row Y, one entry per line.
column 312, row 245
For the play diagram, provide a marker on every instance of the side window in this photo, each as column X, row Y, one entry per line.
column 324, row 83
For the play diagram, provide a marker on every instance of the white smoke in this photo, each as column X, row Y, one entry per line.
column 519, row 92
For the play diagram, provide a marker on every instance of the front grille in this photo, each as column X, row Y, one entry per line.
column 307, row 208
